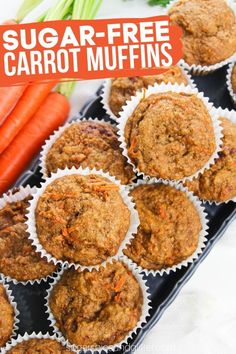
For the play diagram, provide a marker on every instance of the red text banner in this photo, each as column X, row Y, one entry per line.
column 87, row 49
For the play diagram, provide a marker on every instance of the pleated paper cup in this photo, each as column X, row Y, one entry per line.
column 105, row 349
column 12, row 302
column 106, row 91
column 229, row 82
column 31, row 222
column 230, row 115
column 202, row 236
column 202, row 70
column 56, row 135
column 12, row 196
column 131, row 105
column 20, row 339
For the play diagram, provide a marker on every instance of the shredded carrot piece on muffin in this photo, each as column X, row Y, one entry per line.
column 120, row 284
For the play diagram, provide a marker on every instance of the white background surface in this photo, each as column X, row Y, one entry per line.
column 203, row 317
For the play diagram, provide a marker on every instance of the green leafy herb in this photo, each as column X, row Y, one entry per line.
column 159, row 2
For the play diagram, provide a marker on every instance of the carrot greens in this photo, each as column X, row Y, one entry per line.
column 26, row 7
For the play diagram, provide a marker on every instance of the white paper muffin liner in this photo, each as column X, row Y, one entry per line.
column 14, row 305
column 202, row 236
column 31, row 222
column 206, row 69
column 106, row 90
column 33, row 335
column 10, row 197
column 229, row 82
column 141, row 323
column 131, row 105
column 230, row 115
column 56, row 134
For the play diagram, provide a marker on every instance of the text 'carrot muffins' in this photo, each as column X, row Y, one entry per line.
column 39, row 346
column 82, row 219
column 89, row 144
column 97, row 308
column 170, row 135
column 169, row 227
column 19, row 260
column 122, row 88
column 6, row 317
column 209, row 30
column 218, row 184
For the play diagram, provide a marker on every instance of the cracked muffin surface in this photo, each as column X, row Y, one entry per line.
column 97, row 308
column 19, row 259
column 169, row 227
column 219, row 182
column 90, row 144
column 82, row 219
column 122, row 88
column 6, row 317
column 207, row 26
column 40, row 346
column 170, row 135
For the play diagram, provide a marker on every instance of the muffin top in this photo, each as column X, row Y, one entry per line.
column 39, row 346
column 90, row 144
column 6, row 317
column 233, row 78
column 19, row 260
column 207, row 26
column 169, row 227
column 219, row 182
column 122, row 88
column 170, row 135
column 82, row 219
column 97, row 308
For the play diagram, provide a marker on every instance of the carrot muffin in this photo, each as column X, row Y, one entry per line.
column 40, row 346
column 97, row 308
column 90, row 144
column 219, row 182
column 82, row 219
column 6, row 317
column 169, row 227
column 122, row 88
column 233, row 78
column 19, row 260
column 170, row 135
column 207, row 26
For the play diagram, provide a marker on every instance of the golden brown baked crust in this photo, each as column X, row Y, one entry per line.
column 123, row 88
column 209, row 30
column 233, row 78
column 39, row 346
column 90, row 144
column 97, row 308
column 6, row 317
column 219, row 182
column 19, row 259
column 82, row 219
column 170, row 135
column 169, row 227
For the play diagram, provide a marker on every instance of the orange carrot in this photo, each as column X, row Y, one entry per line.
column 9, row 96
column 9, row 22
column 120, row 284
column 26, row 107
column 13, row 161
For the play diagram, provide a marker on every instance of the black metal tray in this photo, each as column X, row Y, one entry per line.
column 30, row 299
